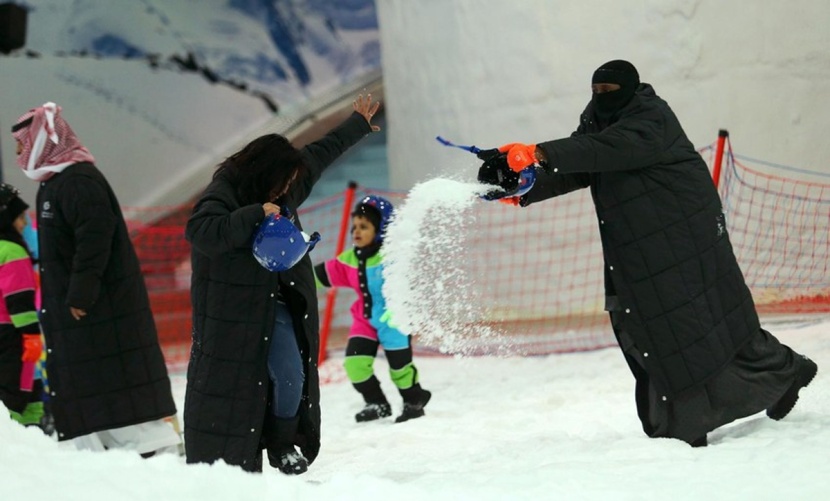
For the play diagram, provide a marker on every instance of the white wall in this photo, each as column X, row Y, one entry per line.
column 489, row 72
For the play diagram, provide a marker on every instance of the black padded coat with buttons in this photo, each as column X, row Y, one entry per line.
column 668, row 258
column 233, row 300
column 105, row 370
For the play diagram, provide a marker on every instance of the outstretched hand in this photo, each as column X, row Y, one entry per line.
column 520, row 156
column 367, row 108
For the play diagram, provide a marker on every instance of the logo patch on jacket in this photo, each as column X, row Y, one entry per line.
column 46, row 213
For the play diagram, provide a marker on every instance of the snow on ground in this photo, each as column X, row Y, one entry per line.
column 555, row 427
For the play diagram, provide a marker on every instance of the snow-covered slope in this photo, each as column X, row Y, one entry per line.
column 157, row 87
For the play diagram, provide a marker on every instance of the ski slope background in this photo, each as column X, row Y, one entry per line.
column 160, row 90
column 555, row 427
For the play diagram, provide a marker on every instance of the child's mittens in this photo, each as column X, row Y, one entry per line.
column 32, row 347
column 387, row 319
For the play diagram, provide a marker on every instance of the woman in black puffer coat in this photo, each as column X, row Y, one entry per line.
column 679, row 307
column 252, row 379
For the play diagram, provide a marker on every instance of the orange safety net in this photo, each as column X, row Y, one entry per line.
column 779, row 221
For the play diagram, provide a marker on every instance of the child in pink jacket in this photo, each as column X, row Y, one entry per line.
column 20, row 341
column 361, row 269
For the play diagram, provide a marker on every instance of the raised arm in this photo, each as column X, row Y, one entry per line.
column 322, row 153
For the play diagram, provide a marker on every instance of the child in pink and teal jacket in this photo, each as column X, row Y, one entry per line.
column 20, row 341
column 361, row 269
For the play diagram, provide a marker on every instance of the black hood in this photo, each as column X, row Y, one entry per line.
column 607, row 104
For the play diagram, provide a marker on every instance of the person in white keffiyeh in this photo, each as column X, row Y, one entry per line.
column 46, row 144
column 108, row 383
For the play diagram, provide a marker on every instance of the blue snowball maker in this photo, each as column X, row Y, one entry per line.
column 279, row 245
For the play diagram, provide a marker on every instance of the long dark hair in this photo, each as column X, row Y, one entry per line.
column 263, row 169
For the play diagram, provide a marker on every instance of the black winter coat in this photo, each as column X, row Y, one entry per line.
column 105, row 370
column 233, row 300
column 668, row 258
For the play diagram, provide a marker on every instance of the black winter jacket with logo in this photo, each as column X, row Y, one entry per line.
column 105, row 370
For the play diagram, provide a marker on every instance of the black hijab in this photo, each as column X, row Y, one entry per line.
column 617, row 72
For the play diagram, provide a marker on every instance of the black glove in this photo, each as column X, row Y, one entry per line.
column 488, row 154
column 495, row 171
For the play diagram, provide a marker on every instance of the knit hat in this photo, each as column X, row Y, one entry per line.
column 11, row 205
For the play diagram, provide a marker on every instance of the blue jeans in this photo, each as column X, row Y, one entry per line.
column 285, row 366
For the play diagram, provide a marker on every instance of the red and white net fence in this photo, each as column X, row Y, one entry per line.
column 779, row 221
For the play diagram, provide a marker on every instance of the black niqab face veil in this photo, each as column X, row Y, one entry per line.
column 617, row 72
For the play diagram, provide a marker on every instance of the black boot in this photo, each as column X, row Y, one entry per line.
column 279, row 440
column 414, row 401
column 47, row 424
column 373, row 411
column 805, row 372
column 700, row 442
column 376, row 404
